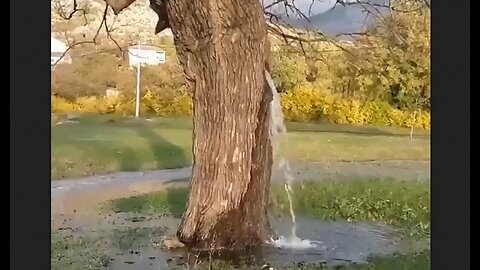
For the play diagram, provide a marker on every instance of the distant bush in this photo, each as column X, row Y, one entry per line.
column 168, row 103
column 304, row 104
column 86, row 76
column 60, row 105
column 299, row 105
column 178, row 104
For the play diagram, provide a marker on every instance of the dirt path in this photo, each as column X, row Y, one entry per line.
column 82, row 197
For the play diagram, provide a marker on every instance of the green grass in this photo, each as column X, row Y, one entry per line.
column 81, row 253
column 94, row 146
column 69, row 253
column 420, row 261
column 405, row 205
column 166, row 202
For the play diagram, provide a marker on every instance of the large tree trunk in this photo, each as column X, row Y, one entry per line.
column 222, row 46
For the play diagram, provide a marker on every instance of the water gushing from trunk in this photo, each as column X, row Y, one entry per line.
column 277, row 132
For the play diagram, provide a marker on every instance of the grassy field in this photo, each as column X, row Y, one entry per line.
column 405, row 205
column 96, row 145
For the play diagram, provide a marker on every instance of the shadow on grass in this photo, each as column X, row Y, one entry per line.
column 166, row 155
column 129, row 161
column 164, row 152
column 96, row 146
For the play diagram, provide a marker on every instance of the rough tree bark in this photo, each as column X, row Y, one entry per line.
column 223, row 49
column 222, row 46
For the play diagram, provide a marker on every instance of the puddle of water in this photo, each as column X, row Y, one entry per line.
column 335, row 241
column 329, row 242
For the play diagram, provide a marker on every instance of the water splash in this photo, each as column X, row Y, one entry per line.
column 294, row 243
column 277, row 132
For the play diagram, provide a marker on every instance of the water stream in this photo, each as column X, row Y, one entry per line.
column 278, row 131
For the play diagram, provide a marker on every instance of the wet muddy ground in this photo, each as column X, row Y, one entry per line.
column 134, row 242
column 131, row 241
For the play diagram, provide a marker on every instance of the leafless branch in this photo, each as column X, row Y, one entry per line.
column 310, row 8
column 114, row 27
column 60, row 8
column 109, row 35
column 103, row 23
column 282, row 34
column 356, row 34
column 273, row 4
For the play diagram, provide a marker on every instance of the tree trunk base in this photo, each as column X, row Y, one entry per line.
column 230, row 233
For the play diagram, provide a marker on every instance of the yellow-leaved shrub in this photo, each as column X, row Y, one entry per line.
column 173, row 104
column 301, row 104
column 61, row 105
column 169, row 102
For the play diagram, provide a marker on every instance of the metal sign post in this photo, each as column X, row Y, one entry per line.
column 137, row 101
column 148, row 55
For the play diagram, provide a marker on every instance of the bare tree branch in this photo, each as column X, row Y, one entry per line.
column 273, row 4
column 103, row 22
column 284, row 35
column 105, row 12
column 60, row 8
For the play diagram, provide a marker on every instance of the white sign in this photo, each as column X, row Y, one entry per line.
column 145, row 55
column 140, row 55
